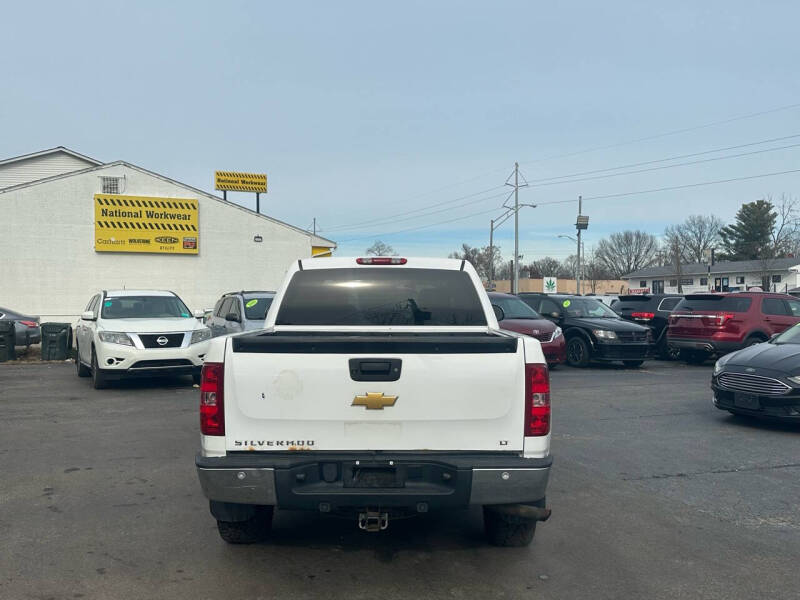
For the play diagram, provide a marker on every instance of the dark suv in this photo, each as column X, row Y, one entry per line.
column 703, row 325
column 239, row 311
column 650, row 310
column 592, row 330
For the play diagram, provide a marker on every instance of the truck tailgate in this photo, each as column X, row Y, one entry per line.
column 451, row 392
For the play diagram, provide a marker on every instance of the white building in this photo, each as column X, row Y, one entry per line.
column 56, row 250
column 776, row 275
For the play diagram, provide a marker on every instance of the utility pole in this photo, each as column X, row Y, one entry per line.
column 315, row 225
column 515, row 209
column 578, row 275
column 491, row 254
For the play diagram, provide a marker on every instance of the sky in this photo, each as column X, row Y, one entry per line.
column 401, row 121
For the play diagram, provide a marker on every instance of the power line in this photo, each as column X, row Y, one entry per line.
column 603, row 197
column 400, row 214
column 667, row 133
column 684, row 164
column 388, row 220
column 660, row 160
column 674, row 187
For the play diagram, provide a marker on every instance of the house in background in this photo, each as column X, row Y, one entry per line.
column 775, row 275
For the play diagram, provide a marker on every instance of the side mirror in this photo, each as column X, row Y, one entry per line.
column 199, row 314
column 232, row 317
column 498, row 312
column 87, row 315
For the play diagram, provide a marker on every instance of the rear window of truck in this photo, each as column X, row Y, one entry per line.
column 715, row 303
column 380, row 296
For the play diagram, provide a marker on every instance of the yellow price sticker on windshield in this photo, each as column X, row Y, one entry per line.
column 566, row 303
column 251, row 303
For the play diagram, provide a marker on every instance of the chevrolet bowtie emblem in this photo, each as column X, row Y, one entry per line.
column 374, row 401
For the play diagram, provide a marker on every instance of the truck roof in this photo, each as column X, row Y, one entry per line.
column 349, row 262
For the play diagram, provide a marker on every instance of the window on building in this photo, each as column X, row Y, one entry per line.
column 687, row 281
column 776, row 279
column 673, row 283
column 643, row 283
column 739, row 280
column 704, row 281
column 110, row 185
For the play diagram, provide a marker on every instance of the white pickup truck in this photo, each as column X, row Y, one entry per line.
column 380, row 388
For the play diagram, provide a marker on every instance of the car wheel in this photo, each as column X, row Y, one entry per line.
column 577, row 352
column 632, row 364
column 508, row 530
column 693, row 357
column 254, row 529
column 82, row 369
column 98, row 379
column 667, row 352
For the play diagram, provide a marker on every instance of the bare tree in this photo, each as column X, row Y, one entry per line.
column 547, row 267
column 593, row 270
column 786, row 231
column 628, row 251
column 481, row 259
column 381, row 249
column 695, row 236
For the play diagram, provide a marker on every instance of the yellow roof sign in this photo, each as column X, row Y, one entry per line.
column 240, row 182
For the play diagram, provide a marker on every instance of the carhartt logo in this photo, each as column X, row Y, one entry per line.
column 374, row 401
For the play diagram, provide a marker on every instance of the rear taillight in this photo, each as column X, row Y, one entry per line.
column 719, row 319
column 29, row 323
column 645, row 316
column 382, row 260
column 212, row 411
column 537, row 400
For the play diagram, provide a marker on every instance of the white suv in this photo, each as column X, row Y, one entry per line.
column 138, row 332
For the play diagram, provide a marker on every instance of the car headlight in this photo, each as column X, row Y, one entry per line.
column 115, row 337
column 201, row 335
column 604, row 334
column 718, row 366
column 794, row 379
column 557, row 333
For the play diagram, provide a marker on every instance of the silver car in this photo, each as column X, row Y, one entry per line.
column 239, row 311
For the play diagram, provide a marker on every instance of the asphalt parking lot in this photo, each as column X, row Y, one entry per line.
column 655, row 494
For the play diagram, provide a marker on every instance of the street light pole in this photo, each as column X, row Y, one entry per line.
column 578, row 273
column 491, row 253
column 516, row 228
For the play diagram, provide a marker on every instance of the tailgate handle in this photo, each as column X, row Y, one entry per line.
column 375, row 369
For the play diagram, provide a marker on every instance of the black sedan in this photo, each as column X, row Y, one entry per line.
column 27, row 330
column 593, row 331
column 761, row 380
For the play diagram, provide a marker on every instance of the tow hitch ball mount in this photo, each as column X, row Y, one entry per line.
column 373, row 521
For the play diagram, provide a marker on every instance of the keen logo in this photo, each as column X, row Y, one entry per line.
column 165, row 239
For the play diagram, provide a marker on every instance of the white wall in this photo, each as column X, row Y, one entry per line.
column 40, row 167
column 48, row 265
column 789, row 278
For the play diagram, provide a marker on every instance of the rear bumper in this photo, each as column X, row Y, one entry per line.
column 704, row 345
column 335, row 482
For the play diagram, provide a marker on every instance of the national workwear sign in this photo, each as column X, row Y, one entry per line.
column 145, row 224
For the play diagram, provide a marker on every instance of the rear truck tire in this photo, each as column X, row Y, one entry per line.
column 510, row 530
column 633, row 364
column 253, row 530
column 98, row 379
column 694, row 357
column 577, row 352
column 82, row 369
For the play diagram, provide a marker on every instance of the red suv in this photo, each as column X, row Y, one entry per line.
column 706, row 324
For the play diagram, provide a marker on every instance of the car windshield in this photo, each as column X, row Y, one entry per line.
column 585, row 307
column 514, row 308
column 790, row 336
column 144, row 307
column 255, row 307
column 381, row 296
